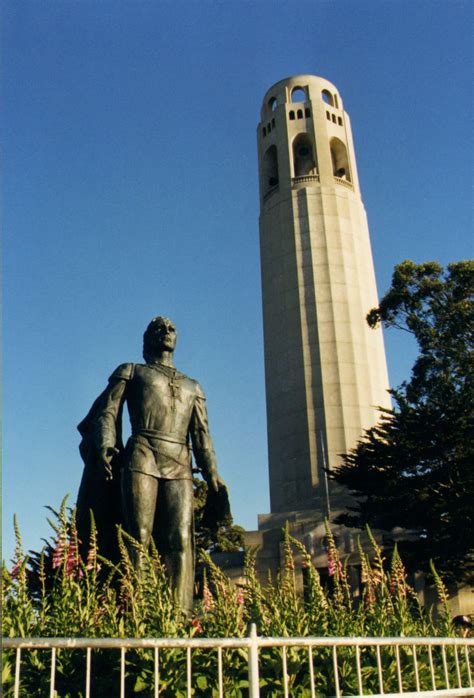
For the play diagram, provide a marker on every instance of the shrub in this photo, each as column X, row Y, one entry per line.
column 56, row 593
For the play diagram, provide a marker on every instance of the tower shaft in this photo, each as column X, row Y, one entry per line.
column 325, row 369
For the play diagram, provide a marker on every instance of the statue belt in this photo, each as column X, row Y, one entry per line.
column 151, row 434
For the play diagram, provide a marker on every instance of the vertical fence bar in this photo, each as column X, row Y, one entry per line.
column 336, row 671
column 254, row 683
column 399, row 669
column 53, row 672
column 469, row 675
column 432, row 671
column 311, row 671
column 88, row 672
column 220, row 676
column 359, row 670
column 17, row 673
column 157, row 672
column 415, row 666
column 445, row 666
column 188, row 672
column 122, row 672
column 379, row 669
column 458, row 667
column 285, row 672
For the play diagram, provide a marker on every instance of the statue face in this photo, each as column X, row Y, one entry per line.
column 163, row 337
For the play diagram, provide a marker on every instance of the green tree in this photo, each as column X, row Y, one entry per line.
column 415, row 468
column 225, row 537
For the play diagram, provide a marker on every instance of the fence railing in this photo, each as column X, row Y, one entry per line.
column 303, row 666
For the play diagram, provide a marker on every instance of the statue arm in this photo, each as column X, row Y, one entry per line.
column 107, row 427
column 203, row 448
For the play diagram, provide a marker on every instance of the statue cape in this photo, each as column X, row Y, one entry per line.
column 98, row 496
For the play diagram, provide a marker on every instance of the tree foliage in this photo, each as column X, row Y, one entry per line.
column 415, row 468
column 224, row 537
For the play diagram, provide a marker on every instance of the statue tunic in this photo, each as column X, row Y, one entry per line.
column 168, row 418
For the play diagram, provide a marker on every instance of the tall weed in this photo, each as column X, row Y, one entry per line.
column 56, row 593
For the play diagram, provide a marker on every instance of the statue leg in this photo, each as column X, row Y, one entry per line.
column 174, row 535
column 139, row 493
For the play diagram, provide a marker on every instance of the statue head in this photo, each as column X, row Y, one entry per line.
column 159, row 337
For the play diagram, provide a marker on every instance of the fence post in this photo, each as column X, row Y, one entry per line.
column 254, row 684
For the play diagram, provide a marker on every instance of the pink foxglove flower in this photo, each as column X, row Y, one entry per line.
column 58, row 553
column 207, row 598
column 195, row 623
column 16, row 569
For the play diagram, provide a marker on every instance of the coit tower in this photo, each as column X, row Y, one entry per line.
column 325, row 369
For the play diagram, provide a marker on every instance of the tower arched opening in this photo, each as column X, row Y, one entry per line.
column 272, row 103
column 270, row 169
column 327, row 97
column 340, row 160
column 298, row 95
column 303, row 156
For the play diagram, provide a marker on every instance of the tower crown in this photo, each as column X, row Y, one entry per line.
column 299, row 88
column 304, row 138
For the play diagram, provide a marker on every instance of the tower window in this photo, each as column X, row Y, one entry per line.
column 339, row 121
column 299, row 113
column 269, row 127
column 270, row 168
column 328, row 116
column 273, row 123
column 340, row 161
column 334, row 118
column 307, row 112
column 327, row 97
column 264, row 131
column 272, row 103
column 303, row 157
column 298, row 95
column 292, row 115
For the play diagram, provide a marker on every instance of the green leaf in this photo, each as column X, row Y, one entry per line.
column 202, row 682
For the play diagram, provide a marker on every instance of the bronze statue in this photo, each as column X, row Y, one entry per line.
column 155, row 498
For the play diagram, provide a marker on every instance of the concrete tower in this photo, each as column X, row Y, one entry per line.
column 325, row 368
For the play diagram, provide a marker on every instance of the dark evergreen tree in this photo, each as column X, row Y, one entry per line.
column 415, row 469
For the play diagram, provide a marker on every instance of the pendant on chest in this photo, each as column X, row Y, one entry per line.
column 175, row 390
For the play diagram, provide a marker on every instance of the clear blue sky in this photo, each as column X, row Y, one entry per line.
column 130, row 190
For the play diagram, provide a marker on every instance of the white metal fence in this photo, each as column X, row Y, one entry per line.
column 304, row 666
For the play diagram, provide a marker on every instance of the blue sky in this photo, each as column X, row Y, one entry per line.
column 130, row 189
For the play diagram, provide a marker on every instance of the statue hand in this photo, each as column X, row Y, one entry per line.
column 106, row 455
column 215, row 481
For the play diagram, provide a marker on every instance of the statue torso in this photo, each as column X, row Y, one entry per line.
column 161, row 400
